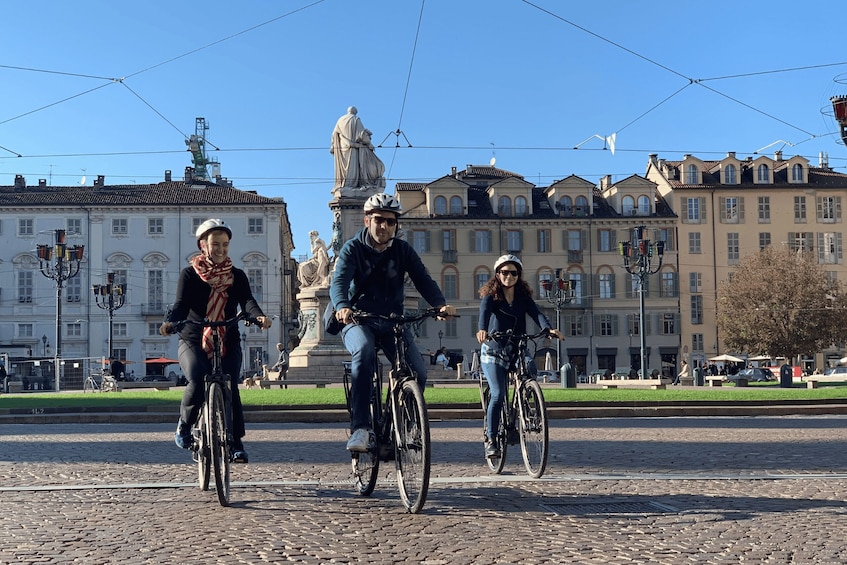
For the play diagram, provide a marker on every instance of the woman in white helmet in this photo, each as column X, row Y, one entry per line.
column 211, row 287
column 506, row 302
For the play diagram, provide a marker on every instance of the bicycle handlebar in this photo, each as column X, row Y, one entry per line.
column 359, row 315
column 207, row 323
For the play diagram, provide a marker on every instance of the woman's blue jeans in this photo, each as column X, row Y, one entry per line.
column 362, row 340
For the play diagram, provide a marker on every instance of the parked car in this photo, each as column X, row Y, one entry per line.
column 753, row 375
column 840, row 371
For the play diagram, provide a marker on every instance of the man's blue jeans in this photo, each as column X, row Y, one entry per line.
column 362, row 340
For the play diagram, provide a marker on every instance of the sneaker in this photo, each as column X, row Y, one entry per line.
column 491, row 449
column 182, row 437
column 359, row 441
column 238, row 453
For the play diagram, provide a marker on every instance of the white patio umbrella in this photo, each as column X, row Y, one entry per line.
column 725, row 357
column 548, row 362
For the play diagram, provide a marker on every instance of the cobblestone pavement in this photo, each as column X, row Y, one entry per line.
column 640, row 490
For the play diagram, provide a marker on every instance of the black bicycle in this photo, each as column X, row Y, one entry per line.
column 211, row 435
column 524, row 416
column 399, row 421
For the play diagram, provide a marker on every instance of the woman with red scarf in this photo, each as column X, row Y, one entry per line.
column 211, row 288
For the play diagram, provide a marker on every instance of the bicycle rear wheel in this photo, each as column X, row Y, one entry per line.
column 219, row 445
column 496, row 464
column 413, row 456
column 90, row 385
column 366, row 465
column 201, row 451
column 532, row 424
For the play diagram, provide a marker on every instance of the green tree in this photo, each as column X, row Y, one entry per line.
column 780, row 302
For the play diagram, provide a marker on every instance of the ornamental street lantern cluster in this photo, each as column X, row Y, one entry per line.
column 111, row 297
column 839, row 107
column 558, row 293
column 641, row 258
column 59, row 262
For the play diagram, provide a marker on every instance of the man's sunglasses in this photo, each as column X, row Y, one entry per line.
column 390, row 222
column 507, row 272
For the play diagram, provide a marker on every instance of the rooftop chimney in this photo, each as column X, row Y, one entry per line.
column 20, row 181
column 42, row 183
column 167, row 175
column 101, row 181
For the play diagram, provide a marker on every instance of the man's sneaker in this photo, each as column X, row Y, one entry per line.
column 359, row 441
column 238, row 453
column 182, row 437
column 491, row 449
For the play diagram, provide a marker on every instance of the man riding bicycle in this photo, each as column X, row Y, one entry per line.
column 371, row 267
column 211, row 287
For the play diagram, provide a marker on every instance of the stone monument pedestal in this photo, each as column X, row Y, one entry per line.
column 319, row 355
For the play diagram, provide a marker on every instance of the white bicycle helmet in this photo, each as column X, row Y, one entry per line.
column 209, row 225
column 382, row 202
column 507, row 259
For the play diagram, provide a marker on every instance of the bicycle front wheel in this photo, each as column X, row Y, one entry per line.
column 413, row 446
column 532, row 416
column 219, row 445
column 90, row 385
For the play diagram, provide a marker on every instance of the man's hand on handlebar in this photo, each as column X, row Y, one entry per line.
column 264, row 322
column 166, row 329
column 446, row 312
column 557, row 334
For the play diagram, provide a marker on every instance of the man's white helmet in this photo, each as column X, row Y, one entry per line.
column 209, row 225
column 507, row 259
column 382, row 202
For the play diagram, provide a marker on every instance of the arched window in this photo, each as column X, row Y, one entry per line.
column 504, row 206
column 797, row 172
column 627, row 205
column 692, row 174
column 643, row 206
column 440, row 205
column 520, row 206
column 763, row 173
column 456, row 206
column 480, row 277
column 581, row 206
column 566, row 205
column 729, row 175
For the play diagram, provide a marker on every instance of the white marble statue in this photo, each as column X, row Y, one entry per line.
column 358, row 171
column 315, row 271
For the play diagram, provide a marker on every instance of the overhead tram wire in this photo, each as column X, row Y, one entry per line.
column 399, row 131
column 691, row 80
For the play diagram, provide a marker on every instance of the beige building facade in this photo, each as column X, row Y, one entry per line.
column 462, row 222
column 732, row 207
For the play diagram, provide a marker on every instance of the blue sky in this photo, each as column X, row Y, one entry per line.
column 112, row 88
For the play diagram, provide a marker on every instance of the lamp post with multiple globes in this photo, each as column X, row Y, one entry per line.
column 111, row 297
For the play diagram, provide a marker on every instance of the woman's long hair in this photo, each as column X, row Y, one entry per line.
column 495, row 288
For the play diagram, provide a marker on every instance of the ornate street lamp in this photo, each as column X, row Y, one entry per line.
column 59, row 263
column 639, row 256
column 111, row 297
column 558, row 293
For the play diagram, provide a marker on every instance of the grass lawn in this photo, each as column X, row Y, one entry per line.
column 334, row 396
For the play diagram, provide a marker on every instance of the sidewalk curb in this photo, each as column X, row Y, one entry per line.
column 555, row 411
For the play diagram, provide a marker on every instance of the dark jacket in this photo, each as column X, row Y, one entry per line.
column 499, row 316
column 385, row 290
column 192, row 296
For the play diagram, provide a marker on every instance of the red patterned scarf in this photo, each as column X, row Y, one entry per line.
column 219, row 277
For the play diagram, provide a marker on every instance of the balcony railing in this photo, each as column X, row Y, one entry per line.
column 153, row 309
